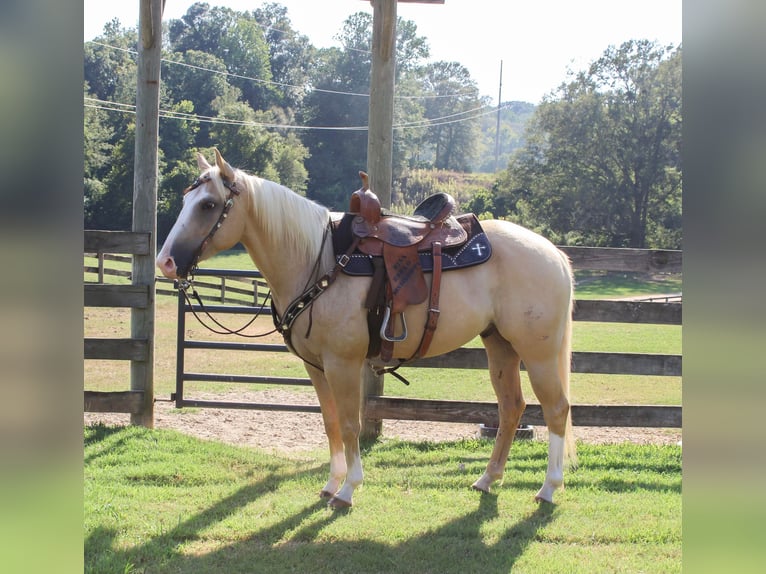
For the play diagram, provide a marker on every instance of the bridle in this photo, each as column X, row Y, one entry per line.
column 282, row 324
column 185, row 283
column 232, row 187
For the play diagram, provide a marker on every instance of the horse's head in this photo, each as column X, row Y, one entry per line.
column 209, row 221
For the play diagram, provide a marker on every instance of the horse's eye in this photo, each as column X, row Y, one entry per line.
column 208, row 205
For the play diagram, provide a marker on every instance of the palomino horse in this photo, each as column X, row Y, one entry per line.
column 520, row 301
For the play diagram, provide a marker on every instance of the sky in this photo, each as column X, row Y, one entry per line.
column 538, row 41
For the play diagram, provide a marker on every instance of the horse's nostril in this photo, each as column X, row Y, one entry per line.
column 167, row 266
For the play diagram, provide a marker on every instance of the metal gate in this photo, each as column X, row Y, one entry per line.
column 182, row 345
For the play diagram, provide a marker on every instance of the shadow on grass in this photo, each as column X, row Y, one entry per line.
column 312, row 538
column 295, row 542
column 455, row 547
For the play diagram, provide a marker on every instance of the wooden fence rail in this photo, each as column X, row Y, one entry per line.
column 388, row 407
column 220, row 285
column 224, row 288
column 125, row 296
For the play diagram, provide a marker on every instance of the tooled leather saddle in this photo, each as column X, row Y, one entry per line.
column 397, row 250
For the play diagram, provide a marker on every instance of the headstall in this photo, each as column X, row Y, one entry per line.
column 232, row 187
column 184, row 284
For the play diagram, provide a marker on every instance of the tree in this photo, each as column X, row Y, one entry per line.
column 513, row 120
column 601, row 163
column 110, row 92
column 192, row 80
column 233, row 38
column 290, row 54
column 109, row 65
column 247, row 143
column 453, row 135
column 344, row 78
column 97, row 150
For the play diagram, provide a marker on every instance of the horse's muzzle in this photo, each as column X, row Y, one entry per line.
column 167, row 267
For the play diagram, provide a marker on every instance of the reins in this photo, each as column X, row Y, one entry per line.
column 183, row 285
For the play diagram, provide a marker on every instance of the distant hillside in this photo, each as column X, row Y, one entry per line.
column 513, row 119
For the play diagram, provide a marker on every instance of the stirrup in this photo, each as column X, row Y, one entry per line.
column 386, row 317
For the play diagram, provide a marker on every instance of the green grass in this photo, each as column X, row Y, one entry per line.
column 617, row 285
column 161, row 502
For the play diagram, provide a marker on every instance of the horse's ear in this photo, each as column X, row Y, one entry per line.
column 202, row 162
column 227, row 171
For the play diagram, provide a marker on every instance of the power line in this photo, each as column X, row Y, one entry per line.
column 281, row 84
column 107, row 105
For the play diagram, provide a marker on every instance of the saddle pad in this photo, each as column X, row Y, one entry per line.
column 475, row 251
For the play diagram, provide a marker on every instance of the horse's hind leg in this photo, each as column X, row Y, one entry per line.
column 504, row 366
column 332, row 430
column 552, row 393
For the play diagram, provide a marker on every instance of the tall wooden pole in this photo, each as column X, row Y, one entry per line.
column 145, row 176
column 380, row 147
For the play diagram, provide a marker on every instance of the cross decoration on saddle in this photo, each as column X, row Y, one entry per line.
column 397, row 250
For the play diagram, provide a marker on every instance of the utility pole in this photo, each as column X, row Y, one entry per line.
column 497, row 127
column 145, row 177
column 380, row 145
column 380, row 142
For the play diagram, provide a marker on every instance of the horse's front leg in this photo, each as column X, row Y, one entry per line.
column 344, row 378
column 332, row 430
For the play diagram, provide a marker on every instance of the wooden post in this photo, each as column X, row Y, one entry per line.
column 381, row 120
column 380, row 147
column 145, row 176
column 100, row 267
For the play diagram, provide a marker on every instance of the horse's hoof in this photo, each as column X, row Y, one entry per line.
column 476, row 486
column 338, row 503
column 325, row 494
column 541, row 499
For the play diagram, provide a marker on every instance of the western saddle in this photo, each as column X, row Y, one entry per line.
column 394, row 242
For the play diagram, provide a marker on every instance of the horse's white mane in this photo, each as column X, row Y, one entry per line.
column 279, row 210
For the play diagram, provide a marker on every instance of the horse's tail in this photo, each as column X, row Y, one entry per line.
column 565, row 371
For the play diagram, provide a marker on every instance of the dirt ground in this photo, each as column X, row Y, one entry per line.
column 288, row 432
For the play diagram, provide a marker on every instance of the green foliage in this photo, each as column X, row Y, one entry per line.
column 158, row 501
column 337, row 156
column 451, row 142
column 417, row 184
column 290, row 54
column 601, row 163
column 513, row 120
column 598, row 165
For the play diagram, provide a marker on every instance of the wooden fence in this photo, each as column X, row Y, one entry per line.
column 226, row 287
column 387, row 407
column 140, row 399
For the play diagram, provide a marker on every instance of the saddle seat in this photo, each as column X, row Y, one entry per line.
column 432, row 221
